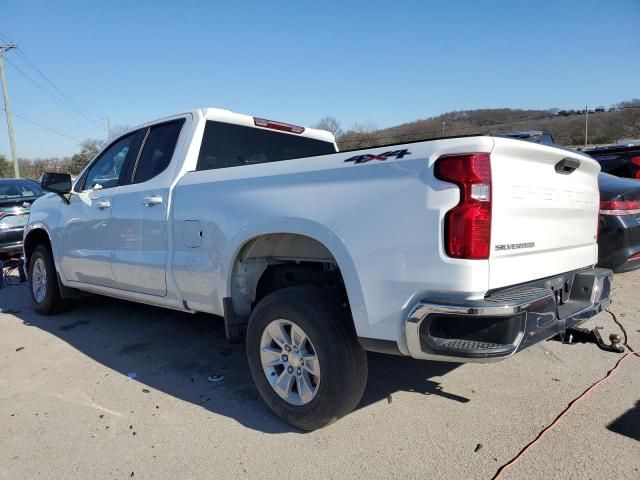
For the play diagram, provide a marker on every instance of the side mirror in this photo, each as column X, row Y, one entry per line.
column 59, row 183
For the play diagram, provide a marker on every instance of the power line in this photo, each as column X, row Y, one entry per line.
column 81, row 129
column 46, row 128
column 75, row 105
column 36, row 142
column 43, row 89
column 66, row 102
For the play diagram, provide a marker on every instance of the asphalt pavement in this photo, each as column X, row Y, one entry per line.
column 116, row 390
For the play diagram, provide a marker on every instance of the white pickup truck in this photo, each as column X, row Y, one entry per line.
column 457, row 249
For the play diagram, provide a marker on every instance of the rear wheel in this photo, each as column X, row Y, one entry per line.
column 304, row 357
column 43, row 282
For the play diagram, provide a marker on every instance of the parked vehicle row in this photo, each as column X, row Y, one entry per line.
column 16, row 197
column 618, row 160
column 464, row 249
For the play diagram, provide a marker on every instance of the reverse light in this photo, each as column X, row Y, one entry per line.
column 619, row 207
column 468, row 224
column 272, row 124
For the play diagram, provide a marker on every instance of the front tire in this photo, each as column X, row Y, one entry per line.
column 305, row 358
column 43, row 282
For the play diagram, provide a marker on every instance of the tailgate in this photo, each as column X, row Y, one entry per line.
column 543, row 222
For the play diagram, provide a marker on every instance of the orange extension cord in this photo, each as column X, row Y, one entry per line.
column 504, row 468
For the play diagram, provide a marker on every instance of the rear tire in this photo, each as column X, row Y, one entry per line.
column 302, row 323
column 43, row 282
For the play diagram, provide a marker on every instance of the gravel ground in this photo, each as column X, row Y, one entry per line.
column 69, row 410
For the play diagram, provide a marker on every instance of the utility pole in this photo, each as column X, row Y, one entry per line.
column 108, row 129
column 443, row 124
column 586, row 126
column 7, row 109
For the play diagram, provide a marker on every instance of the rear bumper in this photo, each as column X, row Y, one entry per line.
column 507, row 320
column 619, row 243
column 11, row 248
column 11, row 241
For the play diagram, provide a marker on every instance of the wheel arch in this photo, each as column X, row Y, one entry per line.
column 306, row 241
column 35, row 236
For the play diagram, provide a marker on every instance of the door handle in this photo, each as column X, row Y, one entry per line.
column 152, row 200
column 102, row 204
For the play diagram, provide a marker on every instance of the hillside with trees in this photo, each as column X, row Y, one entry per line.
column 568, row 126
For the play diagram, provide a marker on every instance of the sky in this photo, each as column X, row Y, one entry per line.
column 386, row 62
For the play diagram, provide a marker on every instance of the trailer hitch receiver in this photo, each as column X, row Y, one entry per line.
column 574, row 335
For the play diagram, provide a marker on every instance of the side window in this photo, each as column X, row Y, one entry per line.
column 107, row 168
column 157, row 151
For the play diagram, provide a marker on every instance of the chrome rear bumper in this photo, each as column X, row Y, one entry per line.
column 507, row 320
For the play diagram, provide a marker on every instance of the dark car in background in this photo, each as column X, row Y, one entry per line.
column 618, row 160
column 16, row 197
column 537, row 136
column 619, row 223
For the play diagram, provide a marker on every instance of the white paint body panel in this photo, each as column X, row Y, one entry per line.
column 382, row 221
column 84, row 230
column 534, row 204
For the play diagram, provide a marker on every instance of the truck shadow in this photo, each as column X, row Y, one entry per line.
column 628, row 424
column 176, row 353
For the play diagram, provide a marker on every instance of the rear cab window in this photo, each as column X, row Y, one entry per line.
column 229, row 145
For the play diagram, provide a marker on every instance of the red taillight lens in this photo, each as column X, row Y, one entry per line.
column 635, row 161
column 619, row 207
column 468, row 224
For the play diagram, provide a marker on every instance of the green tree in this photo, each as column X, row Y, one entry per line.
column 6, row 170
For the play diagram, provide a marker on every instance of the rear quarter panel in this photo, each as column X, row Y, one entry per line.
column 381, row 220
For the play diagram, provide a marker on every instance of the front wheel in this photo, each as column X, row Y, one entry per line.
column 305, row 358
column 43, row 281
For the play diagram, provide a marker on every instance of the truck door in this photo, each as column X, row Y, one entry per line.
column 86, row 220
column 138, row 234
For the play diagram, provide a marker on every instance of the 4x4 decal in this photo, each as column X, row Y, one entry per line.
column 383, row 156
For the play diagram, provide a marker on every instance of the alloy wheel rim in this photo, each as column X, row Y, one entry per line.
column 290, row 362
column 39, row 280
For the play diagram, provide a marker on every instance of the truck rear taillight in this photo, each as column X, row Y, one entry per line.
column 272, row 124
column 635, row 161
column 619, row 207
column 468, row 224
